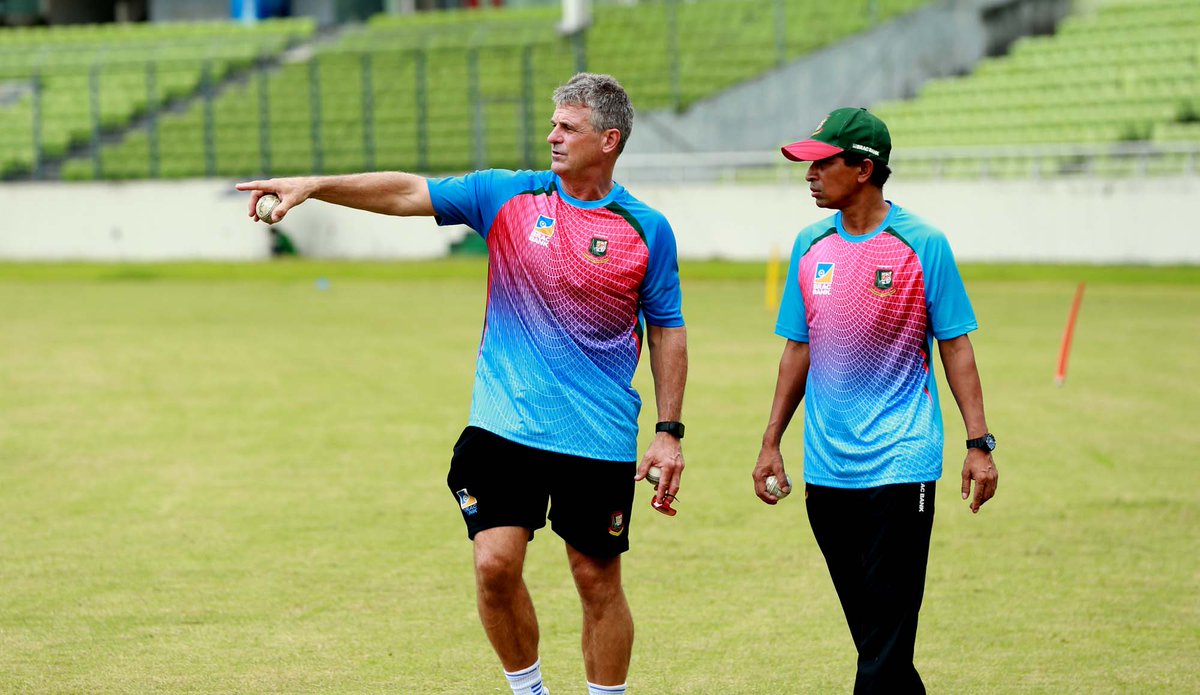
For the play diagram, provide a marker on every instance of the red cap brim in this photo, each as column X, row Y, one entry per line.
column 809, row 151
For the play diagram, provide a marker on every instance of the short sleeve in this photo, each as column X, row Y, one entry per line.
column 661, row 297
column 792, row 322
column 947, row 303
column 471, row 199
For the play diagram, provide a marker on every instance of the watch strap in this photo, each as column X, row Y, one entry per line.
column 987, row 442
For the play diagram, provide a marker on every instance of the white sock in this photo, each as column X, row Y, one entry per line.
column 594, row 689
column 527, row 681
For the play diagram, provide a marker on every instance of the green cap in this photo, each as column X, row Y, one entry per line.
column 844, row 130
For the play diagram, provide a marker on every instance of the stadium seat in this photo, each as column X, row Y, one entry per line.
column 103, row 77
column 1125, row 72
column 446, row 91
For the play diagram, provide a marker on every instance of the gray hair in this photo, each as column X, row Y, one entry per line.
column 607, row 99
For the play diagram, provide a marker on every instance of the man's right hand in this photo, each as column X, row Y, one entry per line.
column 291, row 192
column 770, row 462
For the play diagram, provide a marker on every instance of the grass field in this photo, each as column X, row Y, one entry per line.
column 223, row 479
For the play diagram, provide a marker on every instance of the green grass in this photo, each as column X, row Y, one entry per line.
column 222, row 479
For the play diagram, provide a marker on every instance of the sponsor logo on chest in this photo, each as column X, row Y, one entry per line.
column 823, row 278
column 543, row 229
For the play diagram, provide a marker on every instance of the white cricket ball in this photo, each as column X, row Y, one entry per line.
column 654, row 474
column 772, row 485
column 266, row 205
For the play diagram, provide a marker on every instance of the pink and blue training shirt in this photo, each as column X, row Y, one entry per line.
column 569, row 282
column 869, row 307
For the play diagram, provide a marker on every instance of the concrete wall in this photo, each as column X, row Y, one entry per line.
column 192, row 220
column 1128, row 221
column 1088, row 221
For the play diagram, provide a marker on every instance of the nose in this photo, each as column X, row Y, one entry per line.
column 554, row 136
column 811, row 175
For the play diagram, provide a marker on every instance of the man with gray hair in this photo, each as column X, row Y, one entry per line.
column 579, row 271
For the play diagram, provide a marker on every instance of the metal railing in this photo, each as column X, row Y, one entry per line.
column 1094, row 160
column 122, row 114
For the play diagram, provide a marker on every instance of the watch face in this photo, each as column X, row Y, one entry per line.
column 990, row 441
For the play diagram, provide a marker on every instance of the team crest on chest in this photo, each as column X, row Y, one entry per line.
column 543, row 229
column 823, row 278
column 884, row 277
column 599, row 250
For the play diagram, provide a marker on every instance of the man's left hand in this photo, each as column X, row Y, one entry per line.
column 666, row 452
column 980, row 468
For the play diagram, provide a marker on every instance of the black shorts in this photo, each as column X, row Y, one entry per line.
column 498, row 482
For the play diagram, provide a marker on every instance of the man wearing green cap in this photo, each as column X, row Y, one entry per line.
column 869, row 289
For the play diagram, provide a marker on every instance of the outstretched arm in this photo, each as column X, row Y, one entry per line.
column 669, row 365
column 958, row 359
column 789, row 391
column 386, row 192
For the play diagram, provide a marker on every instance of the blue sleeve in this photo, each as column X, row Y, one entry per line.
column 473, row 199
column 661, row 297
column 946, row 301
column 793, row 318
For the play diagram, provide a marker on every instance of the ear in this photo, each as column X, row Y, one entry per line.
column 865, row 170
column 612, row 139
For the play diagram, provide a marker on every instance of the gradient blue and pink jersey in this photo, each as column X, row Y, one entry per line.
column 569, row 283
column 869, row 307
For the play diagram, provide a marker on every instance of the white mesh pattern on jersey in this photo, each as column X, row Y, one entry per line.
column 560, row 341
column 869, row 354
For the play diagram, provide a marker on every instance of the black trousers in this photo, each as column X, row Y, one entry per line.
column 876, row 544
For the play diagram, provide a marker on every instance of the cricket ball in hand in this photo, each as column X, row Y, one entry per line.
column 653, row 475
column 772, row 485
column 266, row 205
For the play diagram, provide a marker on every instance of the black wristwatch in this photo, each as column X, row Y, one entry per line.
column 987, row 442
column 675, row 429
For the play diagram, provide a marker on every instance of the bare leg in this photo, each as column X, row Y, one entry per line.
column 505, row 607
column 607, row 622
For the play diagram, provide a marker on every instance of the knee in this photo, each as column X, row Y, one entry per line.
column 496, row 574
column 599, row 584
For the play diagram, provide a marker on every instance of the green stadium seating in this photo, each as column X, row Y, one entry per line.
column 101, row 77
column 1125, row 72
column 357, row 103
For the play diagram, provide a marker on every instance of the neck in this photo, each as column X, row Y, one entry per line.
column 591, row 186
column 867, row 213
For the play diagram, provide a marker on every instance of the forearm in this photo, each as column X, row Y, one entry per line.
column 962, row 374
column 669, row 365
column 789, row 391
column 386, row 192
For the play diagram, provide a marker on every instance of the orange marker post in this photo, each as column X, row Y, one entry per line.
column 1061, row 375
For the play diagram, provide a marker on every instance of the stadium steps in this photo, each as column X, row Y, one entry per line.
column 1127, row 72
